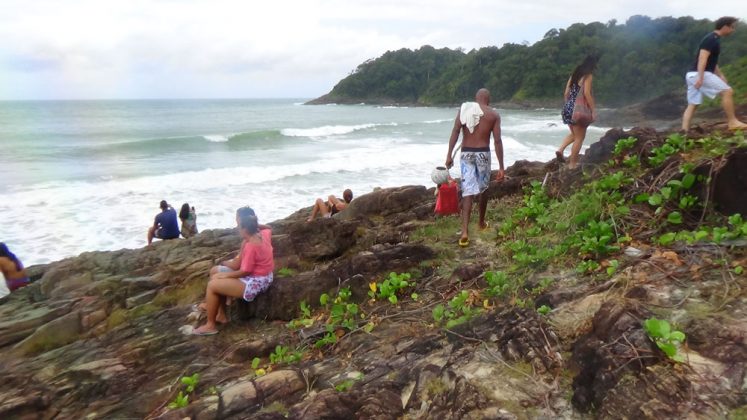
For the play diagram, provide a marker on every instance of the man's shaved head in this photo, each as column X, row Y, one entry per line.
column 483, row 96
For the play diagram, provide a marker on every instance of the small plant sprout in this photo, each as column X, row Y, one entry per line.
column 544, row 310
column 190, row 382
column 668, row 340
column 182, row 399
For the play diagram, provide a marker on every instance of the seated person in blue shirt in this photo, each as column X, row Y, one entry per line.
column 165, row 225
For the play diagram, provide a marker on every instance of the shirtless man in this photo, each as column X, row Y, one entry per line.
column 705, row 77
column 476, row 122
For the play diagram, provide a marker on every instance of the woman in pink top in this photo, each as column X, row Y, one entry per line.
column 253, row 277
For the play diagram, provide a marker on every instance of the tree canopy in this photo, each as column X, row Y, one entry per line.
column 640, row 59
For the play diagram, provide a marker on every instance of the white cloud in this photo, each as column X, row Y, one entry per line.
column 232, row 48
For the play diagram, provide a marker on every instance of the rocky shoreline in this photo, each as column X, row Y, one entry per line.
column 101, row 335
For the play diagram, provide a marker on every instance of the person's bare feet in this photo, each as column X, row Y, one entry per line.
column 205, row 330
column 737, row 125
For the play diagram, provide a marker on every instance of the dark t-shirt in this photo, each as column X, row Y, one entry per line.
column 712, row 43
column 168, row 226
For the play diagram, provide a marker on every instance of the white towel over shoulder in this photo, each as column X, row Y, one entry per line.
column 469, row 115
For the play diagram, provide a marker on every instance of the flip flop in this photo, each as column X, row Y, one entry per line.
column 201, row 333
column 559, row 157
column 487, row 226
column 464, row 242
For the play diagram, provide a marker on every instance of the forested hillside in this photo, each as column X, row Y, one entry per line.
column 640, row 59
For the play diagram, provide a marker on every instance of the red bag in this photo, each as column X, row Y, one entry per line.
column 447, row 201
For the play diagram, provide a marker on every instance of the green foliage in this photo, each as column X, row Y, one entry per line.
column 182, row 399
column 342, row 313
column 345, row 385
column 305, row 320
column 667, row 339
column 675, row 143
column 286, row 272
column 649, row 54
column 282, row 356
column 498, row 284
column 190, row 382
column 458, row 310
column 544, row 310
column 389, row 288
column 623, row 145
column 255, row 363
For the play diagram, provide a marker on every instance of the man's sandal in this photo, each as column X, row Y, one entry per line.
column 464, row 242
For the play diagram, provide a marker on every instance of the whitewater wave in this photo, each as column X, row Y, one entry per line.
column 216, row 138
column 329, row 130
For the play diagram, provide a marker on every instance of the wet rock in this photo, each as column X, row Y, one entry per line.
column 323, row 238
column 611, row 350
column 385, row 202
column 49, row 336
column 140, row 299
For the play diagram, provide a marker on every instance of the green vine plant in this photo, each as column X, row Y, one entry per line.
column 182, row 399
column 667, row 339
column 458, row 310
column 390, row 287
column 343, row 315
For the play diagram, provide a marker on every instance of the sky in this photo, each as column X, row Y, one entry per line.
column 94, row 49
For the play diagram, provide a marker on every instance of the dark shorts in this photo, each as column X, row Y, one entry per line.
column 160, row 235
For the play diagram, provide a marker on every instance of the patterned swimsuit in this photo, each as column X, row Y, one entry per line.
column 567, row 113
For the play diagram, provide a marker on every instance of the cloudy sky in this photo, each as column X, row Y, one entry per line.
column 84, row 49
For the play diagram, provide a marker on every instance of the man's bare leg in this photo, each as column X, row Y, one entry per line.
column 466, row 211
column 688, row 116
column 151, row 234
column 482, row 209
column 727, row 102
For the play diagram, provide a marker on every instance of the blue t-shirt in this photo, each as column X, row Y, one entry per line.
column 166, row 221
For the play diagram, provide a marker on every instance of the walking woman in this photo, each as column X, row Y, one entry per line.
column 579, row 83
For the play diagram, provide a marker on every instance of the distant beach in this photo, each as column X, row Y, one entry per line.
column 88, row 175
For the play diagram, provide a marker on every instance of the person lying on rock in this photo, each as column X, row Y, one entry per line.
column 253, row 276
column 332, row 206
column 12, row 269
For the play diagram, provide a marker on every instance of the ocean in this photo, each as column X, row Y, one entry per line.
column 80, row 176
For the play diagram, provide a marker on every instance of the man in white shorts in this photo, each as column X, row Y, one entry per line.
column 705, row 77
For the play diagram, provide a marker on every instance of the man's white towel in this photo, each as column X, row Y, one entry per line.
column 469, row 115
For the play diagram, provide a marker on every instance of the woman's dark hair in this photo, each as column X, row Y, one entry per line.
column 184, row 212
column 347, row 195
column 585, row 68
column 245, row 211
column 725, row 21
column 249, row 224
column 5, row 252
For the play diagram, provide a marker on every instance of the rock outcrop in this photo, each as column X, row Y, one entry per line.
column 102, row 335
